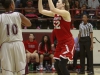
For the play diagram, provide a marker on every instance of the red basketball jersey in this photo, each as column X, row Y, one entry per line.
column 31, row 46
column 62, row 28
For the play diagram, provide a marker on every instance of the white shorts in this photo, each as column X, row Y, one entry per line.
column 13, row 58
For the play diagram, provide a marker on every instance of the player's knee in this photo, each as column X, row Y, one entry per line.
column 41, row 56
column 36, row 54
column 28, row 55
column 51, row 56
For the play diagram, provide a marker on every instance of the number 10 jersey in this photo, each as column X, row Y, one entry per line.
column 10, row 27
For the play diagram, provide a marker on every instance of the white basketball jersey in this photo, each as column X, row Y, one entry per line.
column 10, row 27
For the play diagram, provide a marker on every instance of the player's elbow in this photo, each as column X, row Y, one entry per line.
column 27, row 24
column 40, row 11
column 51, row 9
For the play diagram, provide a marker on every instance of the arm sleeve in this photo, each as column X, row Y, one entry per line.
column 80, row 28
column 91, row 28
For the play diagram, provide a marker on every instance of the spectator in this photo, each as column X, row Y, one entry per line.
column 92, row 15
column 98, row 12
column 77, row 14
column 93, row 4
column 20, row 6
column 71, row 2
column 30, row 10
column 45, row 51
column 83, row 9
column 31, row 47
column 17, row 2
column 83, row 2
column 24, row 3
column 98, row 17
column 76, row 5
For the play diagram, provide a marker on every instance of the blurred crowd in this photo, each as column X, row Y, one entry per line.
column 78, row 7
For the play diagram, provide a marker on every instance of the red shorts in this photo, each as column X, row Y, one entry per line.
column 65, row 50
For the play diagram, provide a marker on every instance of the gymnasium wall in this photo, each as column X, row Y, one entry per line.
column 96, row 34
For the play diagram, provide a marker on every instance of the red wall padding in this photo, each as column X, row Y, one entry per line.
column 38, row 36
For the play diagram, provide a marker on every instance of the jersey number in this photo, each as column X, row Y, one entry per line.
column 56, row 24
column 13, row 29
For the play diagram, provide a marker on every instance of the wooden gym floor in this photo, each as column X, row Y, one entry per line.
column 96, row 72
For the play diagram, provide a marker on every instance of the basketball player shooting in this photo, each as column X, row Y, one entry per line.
column 62, row 20
column 13, row 58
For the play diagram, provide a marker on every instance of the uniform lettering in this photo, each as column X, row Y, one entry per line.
column 13, row 29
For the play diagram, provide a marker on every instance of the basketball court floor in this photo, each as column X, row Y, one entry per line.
column 96, row 70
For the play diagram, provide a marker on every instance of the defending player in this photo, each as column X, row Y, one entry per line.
column 13, row 58
column 62, row 21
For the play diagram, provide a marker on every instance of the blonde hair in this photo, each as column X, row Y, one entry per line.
column 66, row 2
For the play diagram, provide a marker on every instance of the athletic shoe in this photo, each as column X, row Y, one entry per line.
column 81, row 72
column 52, row 68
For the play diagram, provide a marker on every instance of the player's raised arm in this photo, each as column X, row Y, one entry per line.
column 43, row 11
column 25, row 21
column 59, row 10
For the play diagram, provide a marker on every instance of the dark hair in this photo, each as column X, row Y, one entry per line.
column 6, row 3
column 75, row 4
column 85, row 5
column 29, row 1
column 67, row 7
column 43, row 43
column 85, row 15
column 54, row 2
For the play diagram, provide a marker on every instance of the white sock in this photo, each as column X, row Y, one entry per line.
column 41, row 64
column 52, row 64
